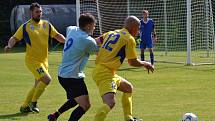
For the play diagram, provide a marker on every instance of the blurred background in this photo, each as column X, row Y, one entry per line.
column 14, row 12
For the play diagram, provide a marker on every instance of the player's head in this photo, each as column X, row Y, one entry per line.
column 36, row 11
column 132, row 24
column 87, row 23
column 145, row 13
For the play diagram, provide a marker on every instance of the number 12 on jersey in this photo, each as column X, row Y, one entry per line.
column 112, row 39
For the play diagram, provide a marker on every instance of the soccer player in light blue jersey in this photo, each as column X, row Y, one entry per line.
column 78, row 46
column 148, row 36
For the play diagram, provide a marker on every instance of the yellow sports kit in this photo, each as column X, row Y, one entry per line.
column 36, row 36
column 117, row 46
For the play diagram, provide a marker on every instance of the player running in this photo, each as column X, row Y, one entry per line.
column 36, row 33
column 77, row 49
column 117, row 46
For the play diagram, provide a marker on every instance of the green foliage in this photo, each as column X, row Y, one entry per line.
column 165, row 95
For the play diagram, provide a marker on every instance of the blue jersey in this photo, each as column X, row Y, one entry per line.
column 77, row 48
column 146, row 30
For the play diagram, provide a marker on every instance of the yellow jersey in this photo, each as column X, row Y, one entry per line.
column 36, row 36
column 117, row 45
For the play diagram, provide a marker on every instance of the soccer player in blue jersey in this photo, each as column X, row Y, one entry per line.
column 78, row 46
column 147, row 35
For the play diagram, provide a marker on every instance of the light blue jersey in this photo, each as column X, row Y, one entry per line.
column 76, row 52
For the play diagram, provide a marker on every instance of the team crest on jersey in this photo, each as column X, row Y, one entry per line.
column 124, row 33
column 113, row 85
column 32, row 27
column 44, row 26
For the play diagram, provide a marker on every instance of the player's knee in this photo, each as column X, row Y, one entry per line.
column 85, row 106
column 46, row 79
column 129, row 88
column 111, row 104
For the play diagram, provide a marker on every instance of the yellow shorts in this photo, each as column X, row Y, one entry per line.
column 106, row 80
column 38, row 69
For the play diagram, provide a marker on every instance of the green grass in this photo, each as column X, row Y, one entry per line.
column 165, row 95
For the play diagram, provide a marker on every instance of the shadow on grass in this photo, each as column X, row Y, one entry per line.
column 22, row 49
column 16, row 49
column 13, row 116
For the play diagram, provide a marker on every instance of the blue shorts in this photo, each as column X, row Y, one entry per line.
column 146, row 44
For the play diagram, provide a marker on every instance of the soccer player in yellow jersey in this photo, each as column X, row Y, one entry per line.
column 117, row 45
column 36, row 33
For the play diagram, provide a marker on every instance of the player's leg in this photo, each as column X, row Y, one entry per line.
column 142, row 55
column 25, row 106
column 127, row 89
column 81, row 97
column 39, row 89
column 108, row 104
column 105, row 81
column 142, row 48
column 40, row 71
column 151, row 55
column 70, row 103
column 84, row 105
column 77, row 93
column 150, row 48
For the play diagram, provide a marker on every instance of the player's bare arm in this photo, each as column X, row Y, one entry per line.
column 12, row 41
column 155, row 39
column 138, row 63
column 60, row 38
column 99, row 40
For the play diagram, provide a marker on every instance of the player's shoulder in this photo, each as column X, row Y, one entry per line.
column 124, row 32
column 91, row 40
column 26, row 23
column 126, row 35
column 72, row 28
column 69, row 29
column 150, row 19
column 111, row 32
column 45, row 21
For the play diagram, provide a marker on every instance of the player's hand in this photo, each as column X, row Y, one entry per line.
column 99, row 40
column 149, row 67
column 7, row 48
column 155, row 39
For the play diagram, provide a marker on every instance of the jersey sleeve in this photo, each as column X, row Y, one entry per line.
column 19, row 33
column 92, row 48
column 130, row 49
column 53, row 31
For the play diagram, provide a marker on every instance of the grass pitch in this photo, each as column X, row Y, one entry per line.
column 165, row 95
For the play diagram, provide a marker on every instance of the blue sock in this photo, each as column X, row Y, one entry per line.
column 152, row 58
column 142, row 56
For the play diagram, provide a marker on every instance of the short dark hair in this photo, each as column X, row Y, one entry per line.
column 145, row 11
column 86, row 18
column 34, row 5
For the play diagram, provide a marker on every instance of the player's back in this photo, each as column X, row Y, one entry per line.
column 75, row 53
column 113, row 50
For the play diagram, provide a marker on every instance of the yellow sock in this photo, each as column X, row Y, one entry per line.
column 102, row 113
column 127, row 105
column 38, row 91
column 29, row 97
